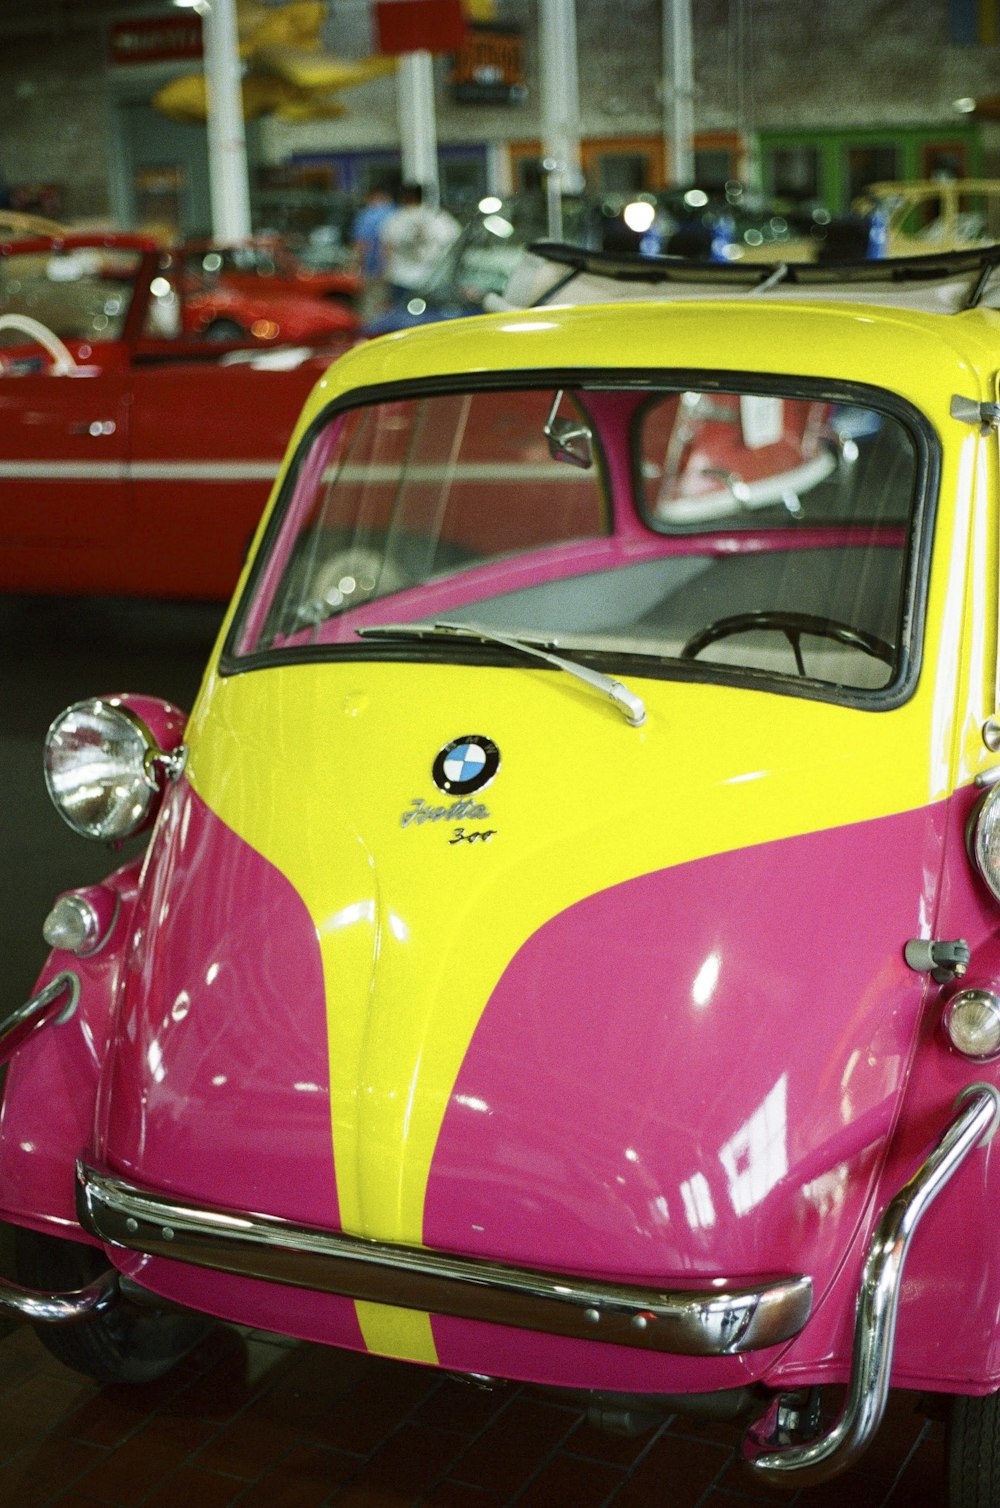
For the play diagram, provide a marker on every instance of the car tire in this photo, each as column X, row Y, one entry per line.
column 224, row 329
column 127, row 1343
column 974, row 1452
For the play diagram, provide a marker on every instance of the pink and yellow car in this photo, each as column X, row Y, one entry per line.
column 568, row 942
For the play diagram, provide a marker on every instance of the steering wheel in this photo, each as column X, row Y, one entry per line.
column 62, row 357
column 793, row 626
column 344, row 579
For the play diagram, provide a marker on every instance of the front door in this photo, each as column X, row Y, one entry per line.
column 63, row 453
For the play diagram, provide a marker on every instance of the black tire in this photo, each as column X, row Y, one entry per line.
column 974, row 1452
column 224, row 329
column 128, row 1343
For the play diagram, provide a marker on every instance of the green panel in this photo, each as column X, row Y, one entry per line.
column 835, row 147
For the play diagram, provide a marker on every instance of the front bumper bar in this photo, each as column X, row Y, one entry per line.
column 721, row 1321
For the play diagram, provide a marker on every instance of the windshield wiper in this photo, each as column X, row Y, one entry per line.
column 628, row 703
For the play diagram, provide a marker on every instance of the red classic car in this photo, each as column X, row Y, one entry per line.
column 137, row 448
column 225, row 299
column 266, row 265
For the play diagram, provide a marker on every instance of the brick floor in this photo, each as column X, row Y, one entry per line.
column 250, row 1419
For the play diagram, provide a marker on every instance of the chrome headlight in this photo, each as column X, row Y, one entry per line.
column 101, row 769
column 985, row 838
column 972, row 1023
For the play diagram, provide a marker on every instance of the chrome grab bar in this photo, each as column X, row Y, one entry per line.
column 37, row 1011
column 720, row 1321
column 877, row 1309
column 43, row 1308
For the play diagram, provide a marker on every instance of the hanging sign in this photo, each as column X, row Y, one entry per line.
column 155, row 40
column 419, row 25
column 488, row 69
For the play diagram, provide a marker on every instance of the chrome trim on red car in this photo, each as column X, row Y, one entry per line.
column 717, row 1321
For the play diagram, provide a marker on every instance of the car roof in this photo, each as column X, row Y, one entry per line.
column 942, row 283
column 924, row 358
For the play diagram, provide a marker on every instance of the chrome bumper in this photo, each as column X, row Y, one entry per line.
column 59, row 1308
column 978, row 1114
column 56, row 999
column 721, row 1321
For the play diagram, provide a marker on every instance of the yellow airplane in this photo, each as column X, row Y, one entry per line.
column 289, row 73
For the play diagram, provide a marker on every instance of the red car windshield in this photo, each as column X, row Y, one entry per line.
column 80, row 293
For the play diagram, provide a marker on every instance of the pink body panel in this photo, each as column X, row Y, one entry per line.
column 223, row 1025
column 671, row 1082
column 47, row 1114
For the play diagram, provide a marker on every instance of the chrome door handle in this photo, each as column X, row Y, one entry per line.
column 94, row 427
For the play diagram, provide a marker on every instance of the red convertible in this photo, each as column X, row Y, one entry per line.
column 136, row 451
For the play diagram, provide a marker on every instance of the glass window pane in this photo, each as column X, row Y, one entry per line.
column 401, row 493
column 793, row 172
column 874, row 164
column 82, row 293
column 737, row 533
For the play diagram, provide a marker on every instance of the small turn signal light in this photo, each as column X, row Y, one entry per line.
column 972, row 1023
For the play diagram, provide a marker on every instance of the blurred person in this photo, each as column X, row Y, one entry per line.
column 366, row 242
column 414, row 239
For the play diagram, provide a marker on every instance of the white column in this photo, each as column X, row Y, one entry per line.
column 227, row 148
column 678, row 91
column 560, row 105
column 417, row 125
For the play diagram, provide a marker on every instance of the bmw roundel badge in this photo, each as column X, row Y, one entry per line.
column 466, row 764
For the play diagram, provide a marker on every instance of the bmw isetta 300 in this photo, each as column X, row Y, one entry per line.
column 567, row 946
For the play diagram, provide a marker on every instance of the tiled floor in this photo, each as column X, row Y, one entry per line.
column 253, row 1420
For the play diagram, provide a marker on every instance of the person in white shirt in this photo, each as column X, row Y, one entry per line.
column 414, row 238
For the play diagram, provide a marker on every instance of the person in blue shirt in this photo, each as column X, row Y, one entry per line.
column 369, row 252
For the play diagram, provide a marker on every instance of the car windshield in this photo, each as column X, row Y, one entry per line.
column 667, row 529
column 80, row 293
column 211, row 262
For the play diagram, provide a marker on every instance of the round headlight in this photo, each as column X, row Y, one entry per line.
column 97, row 769
column 972, row 1022
column 986, row 838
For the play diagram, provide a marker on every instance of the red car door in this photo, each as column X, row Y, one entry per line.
column 207, row 440
column 63, row 450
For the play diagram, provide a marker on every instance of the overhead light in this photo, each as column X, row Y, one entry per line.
column 964, row 106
